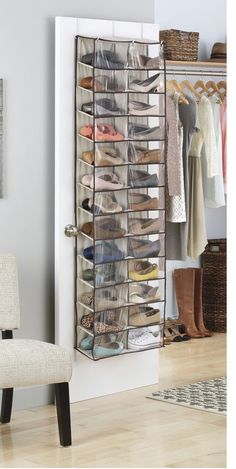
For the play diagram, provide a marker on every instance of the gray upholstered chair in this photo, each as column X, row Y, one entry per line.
column 25, row 362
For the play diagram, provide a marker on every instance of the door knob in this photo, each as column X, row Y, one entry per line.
column 71, row 231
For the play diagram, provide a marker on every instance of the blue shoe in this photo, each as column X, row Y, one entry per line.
column 108, row 349
column 104, row 252
column 108, row 252
column 88, row 253
column 87, row 343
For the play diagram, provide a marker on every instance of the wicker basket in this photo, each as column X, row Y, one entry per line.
column 214, row 285
column 180, row 45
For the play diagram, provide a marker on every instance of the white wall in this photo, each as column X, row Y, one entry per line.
column 26, row 213
column 209, row 19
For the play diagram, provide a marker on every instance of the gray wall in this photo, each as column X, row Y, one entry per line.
column 27, row 212
column 205, row 16
column 209, row 19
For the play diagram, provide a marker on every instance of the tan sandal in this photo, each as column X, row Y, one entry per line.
column 171, row 336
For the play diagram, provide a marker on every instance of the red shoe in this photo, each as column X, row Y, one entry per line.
column 87, row 131
column 106, row 132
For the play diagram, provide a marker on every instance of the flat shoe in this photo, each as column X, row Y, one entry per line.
column 107, row 182
column 105, row 59
column 169, row 335
column 104, row 252
column 142, row 132
column 101, row 304
column 104, row 181
column 103, row 107
column 87, row 275
column 106, row 132
column 143, row 316
column 85, row 205
column 108, row 228
column 143, row 293
column 137, row 178
column 144, row 225
column 106, row 350
column 150, row 62
column 88, row 253
column 88, row 157
column 106, row 106
column 87, row 343
column 87, row 107
column 142, row 270
column 86, row 131
column 142, row 202
column 88, row 83
column 87, row 228
column 142, row 248
column 139, row 108
column 87, row 321
column 86, row 299
column 143, row 155
column 107, row 156
column 105, row 204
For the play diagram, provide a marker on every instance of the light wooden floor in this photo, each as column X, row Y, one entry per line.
column 125, row 429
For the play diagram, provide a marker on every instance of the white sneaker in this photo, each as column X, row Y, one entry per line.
column 133, row 333
column 142, row 341
column 155, row 330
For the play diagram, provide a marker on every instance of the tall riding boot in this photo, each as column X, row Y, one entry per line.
column 198, row 313
column 184, row 289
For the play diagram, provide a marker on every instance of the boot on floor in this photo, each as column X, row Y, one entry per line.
column 198, row 313
column 184, row 280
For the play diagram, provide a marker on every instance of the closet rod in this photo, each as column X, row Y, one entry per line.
column 172, row 71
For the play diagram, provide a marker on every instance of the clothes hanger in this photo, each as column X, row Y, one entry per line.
column 200, row 84
column 187, row 84
column 174, row 85
column 211, row 84
column 222, row 84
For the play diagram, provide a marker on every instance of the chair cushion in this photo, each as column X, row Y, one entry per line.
column 26, row 362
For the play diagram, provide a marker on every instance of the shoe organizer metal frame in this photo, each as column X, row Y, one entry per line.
column 90, row 341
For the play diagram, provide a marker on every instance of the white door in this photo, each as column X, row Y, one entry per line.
column 90, row 379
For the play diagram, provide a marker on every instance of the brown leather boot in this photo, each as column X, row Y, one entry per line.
column 184, row 280
column 198, row 313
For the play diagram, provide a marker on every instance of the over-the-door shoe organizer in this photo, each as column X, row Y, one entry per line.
column 120, row 196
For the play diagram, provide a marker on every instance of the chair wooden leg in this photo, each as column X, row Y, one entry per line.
column 7, row 398
column 63, row 413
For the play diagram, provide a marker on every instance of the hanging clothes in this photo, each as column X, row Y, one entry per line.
column 223, row 121
column 197, row 236
column 213, row 187
column 173, row 156
column 175, row 197
column 176, row 233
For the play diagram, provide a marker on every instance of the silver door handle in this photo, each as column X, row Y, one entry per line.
column 71, row 231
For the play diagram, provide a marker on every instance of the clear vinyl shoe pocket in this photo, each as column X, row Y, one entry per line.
column 106, row 274
column 110, row 226
column 142, row 223
column 146, row 315
column 101, row 346
column 112, row 297
column 103, row 322
column 145, row 338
